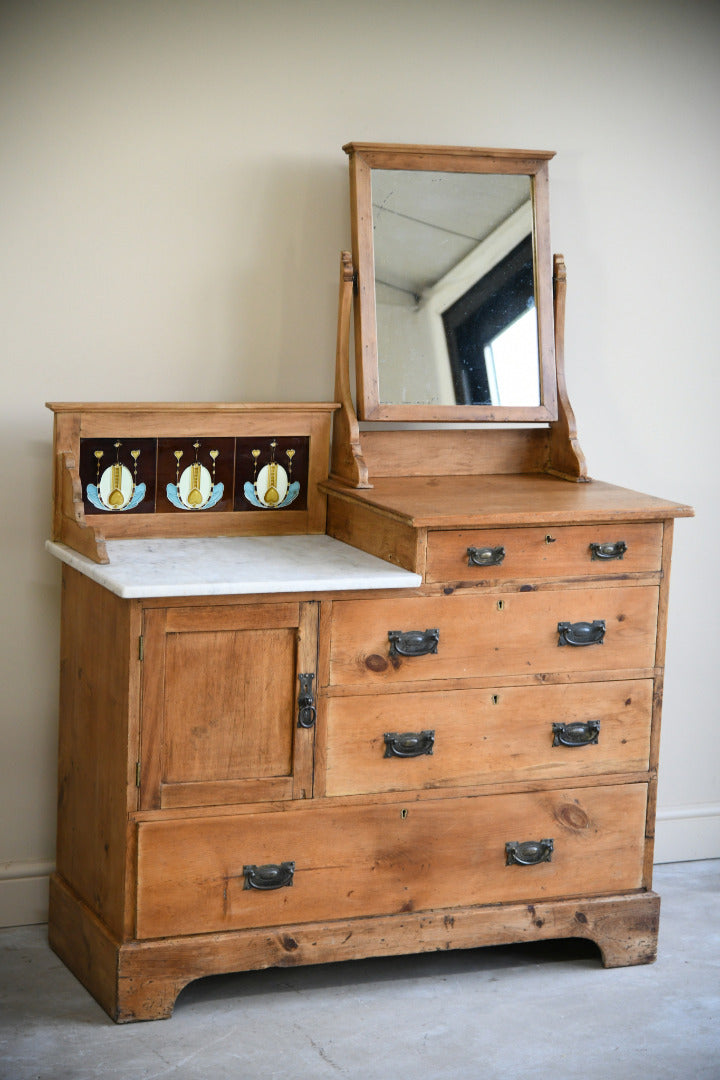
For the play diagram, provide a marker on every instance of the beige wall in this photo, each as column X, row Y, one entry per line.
column 173, row 201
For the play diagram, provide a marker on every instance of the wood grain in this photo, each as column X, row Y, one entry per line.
column 82, row 420
column 70, row 526
column 99, row 691
column 461, row 502
column 305, row 662
column 457, row 452
column 658, row 697
column 379, row 533
column 141, row 980
column 386, row 859
column 477, row 637
column 486, row 736
column 219, row 704
column 565, row 458
column 347, row 463
column 562, row 552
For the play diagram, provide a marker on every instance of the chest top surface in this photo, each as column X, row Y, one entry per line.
column 444, row 502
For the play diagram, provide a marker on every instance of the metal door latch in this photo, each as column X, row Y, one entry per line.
column 306, row 701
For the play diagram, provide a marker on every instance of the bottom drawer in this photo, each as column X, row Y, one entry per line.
column 337, row 862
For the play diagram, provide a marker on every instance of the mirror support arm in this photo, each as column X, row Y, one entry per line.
column 559, row 452
column 565, row 458
column 347, row 462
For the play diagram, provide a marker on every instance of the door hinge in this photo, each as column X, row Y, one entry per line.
column 137, row 774
column 141, row 648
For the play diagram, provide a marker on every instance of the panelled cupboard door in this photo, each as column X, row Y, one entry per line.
column 220, row 704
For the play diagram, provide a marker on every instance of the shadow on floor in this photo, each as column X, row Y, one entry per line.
column 436, row 965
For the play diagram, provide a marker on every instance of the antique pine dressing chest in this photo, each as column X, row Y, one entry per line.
column 410, row 702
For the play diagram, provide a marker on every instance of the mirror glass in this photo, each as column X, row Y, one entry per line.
column 454, row 289
column 454, row 303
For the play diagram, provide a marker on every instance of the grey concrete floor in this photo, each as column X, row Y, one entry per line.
column 547, row 1010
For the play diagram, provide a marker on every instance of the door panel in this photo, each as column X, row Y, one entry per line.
column 228, row 696
column 219, row 719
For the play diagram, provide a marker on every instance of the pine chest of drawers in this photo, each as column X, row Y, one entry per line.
column 471, row 760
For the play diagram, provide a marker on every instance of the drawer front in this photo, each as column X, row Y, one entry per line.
column 474, row 634
column 384, row 859
column 495, row 555
column 396, row 742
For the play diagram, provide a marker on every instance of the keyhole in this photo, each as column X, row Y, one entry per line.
column 500, row 605
column 403, row 814
column 495, row 699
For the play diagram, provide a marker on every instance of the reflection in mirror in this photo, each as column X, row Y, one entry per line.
column 454, row 288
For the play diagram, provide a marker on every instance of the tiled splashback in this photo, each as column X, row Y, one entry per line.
column 185, row 474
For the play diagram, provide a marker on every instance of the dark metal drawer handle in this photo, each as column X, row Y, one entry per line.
column 608, row 551
column 409, row 743
column 576, row 734
column 581, row 633
column 528, row 852
column 272, row 876
column 413, row 642
column 307, row 712
column 485, row 556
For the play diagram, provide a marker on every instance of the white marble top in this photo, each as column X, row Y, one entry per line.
column 230, row 565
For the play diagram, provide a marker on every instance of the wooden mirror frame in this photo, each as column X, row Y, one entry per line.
column 364, row 157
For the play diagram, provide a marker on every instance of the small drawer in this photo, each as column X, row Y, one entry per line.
column 459, row 738
column 472, row 634
column 344, row 862
column 568, row 551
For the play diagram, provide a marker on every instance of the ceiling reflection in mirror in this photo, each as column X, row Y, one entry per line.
column 455, row 288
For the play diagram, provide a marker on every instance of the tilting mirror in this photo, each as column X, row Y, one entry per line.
column 454, row 300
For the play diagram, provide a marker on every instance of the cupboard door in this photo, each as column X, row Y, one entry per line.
column 220, row 704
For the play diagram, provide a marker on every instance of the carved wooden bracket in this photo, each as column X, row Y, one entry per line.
column 70, row 525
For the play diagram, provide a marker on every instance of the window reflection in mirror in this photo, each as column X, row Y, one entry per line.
column 454, row 288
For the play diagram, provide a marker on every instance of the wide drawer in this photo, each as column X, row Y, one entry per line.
column 397, row 742
column 474, row 634
column 495, row 555
column 341, row 862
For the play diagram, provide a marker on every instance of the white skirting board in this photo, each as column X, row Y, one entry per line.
column 683, row 834
column 24, row 892
column 687, row 833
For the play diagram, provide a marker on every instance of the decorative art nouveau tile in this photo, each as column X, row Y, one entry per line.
column 271, row 473
column 195, row 474
column 187, row 474
column 118, row 475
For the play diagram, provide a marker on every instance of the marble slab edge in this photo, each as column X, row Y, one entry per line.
column 226, row 566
